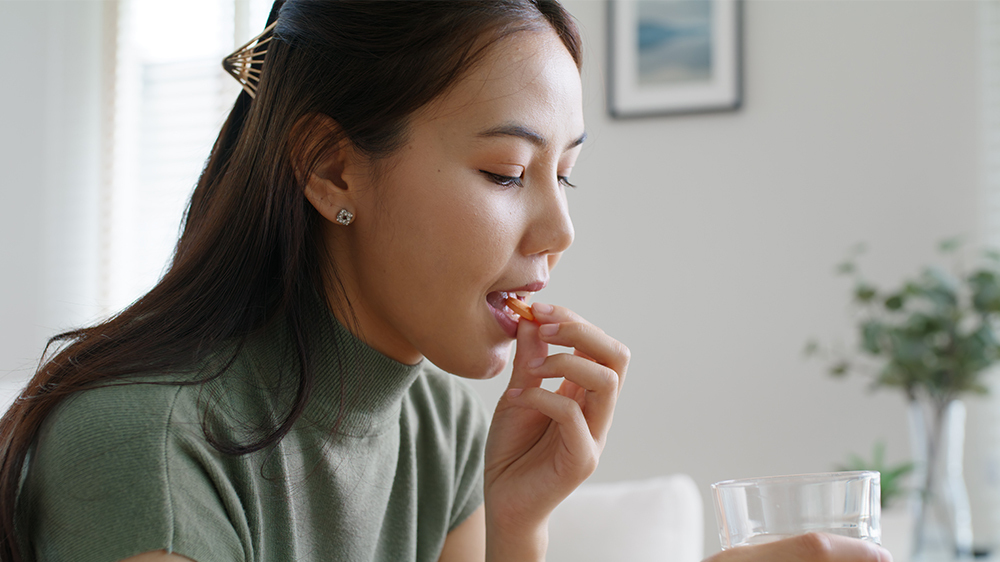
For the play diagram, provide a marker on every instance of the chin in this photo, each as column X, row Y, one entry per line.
column 481, row 367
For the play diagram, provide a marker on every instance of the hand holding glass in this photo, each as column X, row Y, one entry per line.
column 759, row 510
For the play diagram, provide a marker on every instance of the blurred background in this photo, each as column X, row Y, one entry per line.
column 707, row 243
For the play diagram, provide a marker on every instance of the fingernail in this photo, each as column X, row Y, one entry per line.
column 514, row 392
column 548, row 329
column 542, row 307
column 536, row 362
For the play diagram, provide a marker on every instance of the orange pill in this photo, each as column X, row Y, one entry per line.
column 522, row 310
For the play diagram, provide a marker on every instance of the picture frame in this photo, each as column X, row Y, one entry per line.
column 674, row 57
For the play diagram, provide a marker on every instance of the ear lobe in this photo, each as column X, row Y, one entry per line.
column 327, row 190
column 327, row 186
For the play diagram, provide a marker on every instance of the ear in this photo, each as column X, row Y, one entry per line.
column 331, row 185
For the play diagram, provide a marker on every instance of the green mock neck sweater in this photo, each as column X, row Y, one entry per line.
column 385, row 461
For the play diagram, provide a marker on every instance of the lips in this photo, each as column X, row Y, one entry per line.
column 506, row 317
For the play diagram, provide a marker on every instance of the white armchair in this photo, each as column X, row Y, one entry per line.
column 655, row 520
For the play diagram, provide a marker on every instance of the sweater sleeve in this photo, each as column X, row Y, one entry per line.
column 110, row 476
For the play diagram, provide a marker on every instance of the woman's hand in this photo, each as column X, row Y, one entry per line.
column 812, row 547
column 543, row 444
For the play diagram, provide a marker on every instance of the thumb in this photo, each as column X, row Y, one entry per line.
column 530, row 347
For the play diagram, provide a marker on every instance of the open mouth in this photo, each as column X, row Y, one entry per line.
column 498, row 300
column 504, row 316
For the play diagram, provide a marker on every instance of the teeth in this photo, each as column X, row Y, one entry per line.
column 523, row 294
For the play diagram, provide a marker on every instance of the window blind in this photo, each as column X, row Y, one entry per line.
column 170, row 98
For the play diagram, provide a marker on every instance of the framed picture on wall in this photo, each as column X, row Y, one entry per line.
column 674, row 56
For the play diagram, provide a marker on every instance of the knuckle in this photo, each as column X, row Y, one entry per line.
column 588, row 329
column 570, row 409
column 608, row 379
column 581, row 328
column 816, row 546
column 624, row 352
column 623, row 355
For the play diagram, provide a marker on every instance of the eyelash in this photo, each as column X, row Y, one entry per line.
column 511, row 181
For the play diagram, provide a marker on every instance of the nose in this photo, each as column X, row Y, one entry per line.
column 550, row 229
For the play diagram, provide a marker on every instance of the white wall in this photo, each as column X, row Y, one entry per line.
column 706, row 243
column 718, row 233
column 49, row 186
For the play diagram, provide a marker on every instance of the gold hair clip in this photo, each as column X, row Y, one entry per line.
column 240, row 63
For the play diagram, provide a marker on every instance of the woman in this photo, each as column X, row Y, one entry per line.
column 400, row 171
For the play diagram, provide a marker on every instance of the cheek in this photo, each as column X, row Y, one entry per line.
column 475, row 239
column 455, row 233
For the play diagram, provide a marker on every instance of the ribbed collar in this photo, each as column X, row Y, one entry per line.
column 370, row 385
column 357, row 390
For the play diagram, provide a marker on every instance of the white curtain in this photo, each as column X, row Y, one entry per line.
column 50, row 177
column 108, row 113
column 171, row 97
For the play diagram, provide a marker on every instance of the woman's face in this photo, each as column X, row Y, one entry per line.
column 471, row 208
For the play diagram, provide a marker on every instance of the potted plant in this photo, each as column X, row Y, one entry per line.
column 932, row 337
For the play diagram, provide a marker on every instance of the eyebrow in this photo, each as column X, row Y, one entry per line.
column 520, row 131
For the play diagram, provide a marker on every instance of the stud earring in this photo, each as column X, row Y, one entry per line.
column 345, row 217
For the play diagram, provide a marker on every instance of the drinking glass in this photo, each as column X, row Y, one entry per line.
column 759, row 510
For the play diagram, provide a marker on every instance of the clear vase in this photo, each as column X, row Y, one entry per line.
column 942, row 521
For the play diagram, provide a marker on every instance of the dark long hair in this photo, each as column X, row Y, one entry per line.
column 251, row 250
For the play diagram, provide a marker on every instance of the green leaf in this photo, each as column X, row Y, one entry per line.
column 811, row 348
column 864, row 292
column 899, row 471
column 846, row 268
column 895, row 302
column 920, row 326
column 840, row 368
column 985, row 286
column 871, row 334
column 949, row 245
column 939, row 286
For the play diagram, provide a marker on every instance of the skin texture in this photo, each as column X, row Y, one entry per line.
column 434, row 232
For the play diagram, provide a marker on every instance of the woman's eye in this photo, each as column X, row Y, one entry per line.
column 503, row 181
column 565, row 181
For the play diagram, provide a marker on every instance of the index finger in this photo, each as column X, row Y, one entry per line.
column 588, row 340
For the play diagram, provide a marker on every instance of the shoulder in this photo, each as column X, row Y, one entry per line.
column 99, row 420
column 112, row 437
column 98, row 463
column 118, row 470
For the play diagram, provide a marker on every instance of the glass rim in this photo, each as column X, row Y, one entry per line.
column 814, row 477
